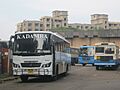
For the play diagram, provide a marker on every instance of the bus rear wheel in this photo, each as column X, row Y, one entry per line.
column 54, row 78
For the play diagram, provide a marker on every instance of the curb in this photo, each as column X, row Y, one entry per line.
column 8, row 79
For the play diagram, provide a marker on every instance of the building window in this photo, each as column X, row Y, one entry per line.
column 115, row 24
column 36, row 24
column 105, row 22
column 78, row 26
column 86, row 36
column 91, row 27
column 57, row 25
column 110, row 24
column 81, row 27
column 29, row 30
column 29, row 24
column 95, row 35
column 64, row 24
column 60, row 20
column 65, row 19
column 56, row 20
column 86, row 27
column 41, row 25
column 48, row 25
column 36, row 29
column 105, row 27
column 48, row 19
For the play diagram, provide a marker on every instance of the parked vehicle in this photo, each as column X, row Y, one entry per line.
column 106, row 55
column 74, row 55
column 86, row 55
column 39, row 53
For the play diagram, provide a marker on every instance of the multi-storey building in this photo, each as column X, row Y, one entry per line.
column 28, row 25
column 46, row 23
column 98, row 21
column 60, row 19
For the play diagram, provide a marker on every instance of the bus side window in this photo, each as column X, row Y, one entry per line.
column 109, row 51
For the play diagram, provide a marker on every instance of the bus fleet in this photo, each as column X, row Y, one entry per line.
column 44, row 53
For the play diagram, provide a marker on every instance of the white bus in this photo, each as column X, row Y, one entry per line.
column 39, row 53
column 106, row 55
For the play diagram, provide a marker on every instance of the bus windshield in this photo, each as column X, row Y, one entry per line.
column 32, row 43
column 99, row 50
column 86, row 51
column 106, row 50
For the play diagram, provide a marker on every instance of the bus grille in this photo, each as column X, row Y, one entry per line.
column 30, row 64
column 86, row 58
column 106, row 58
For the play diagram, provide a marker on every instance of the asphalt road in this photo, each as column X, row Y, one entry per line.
column 79, row 78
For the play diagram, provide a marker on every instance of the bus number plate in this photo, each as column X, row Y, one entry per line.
column 30, row 71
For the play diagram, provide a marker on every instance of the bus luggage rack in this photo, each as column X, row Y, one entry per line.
column 30, row 64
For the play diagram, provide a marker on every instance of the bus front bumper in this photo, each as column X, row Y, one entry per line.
column 31, row 72
column 105, row 64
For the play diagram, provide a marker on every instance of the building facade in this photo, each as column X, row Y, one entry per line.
column 60, row 19
column 28, row 25
column 46, row 23
column 98, row 22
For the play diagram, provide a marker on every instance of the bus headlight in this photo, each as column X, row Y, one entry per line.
column 46, row 65
column 16, row 65
column 97, row 57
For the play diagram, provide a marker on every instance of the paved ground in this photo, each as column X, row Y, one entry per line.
column 79, row 78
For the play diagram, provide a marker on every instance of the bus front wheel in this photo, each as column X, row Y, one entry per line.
column 97, row 67
column 24, row 78
column 83, row 64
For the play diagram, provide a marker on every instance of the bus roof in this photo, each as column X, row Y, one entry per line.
column 104, row 43
column 47, row 32
column 86, row 46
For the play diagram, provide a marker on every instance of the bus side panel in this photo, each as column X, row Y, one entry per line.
column 62, row 60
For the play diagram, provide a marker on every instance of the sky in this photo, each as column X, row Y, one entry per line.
column 79, row 11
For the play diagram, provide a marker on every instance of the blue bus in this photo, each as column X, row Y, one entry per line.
column 86, row 55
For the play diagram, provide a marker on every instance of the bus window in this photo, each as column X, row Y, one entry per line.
column 109, row 51
column 99, row 50
column 83, row 52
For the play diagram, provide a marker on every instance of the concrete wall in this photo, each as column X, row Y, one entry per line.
column 77, row 42
column 90, row 37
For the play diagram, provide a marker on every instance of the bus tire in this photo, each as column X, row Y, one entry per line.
column 56, row 74
column 66, row 70
column 97, row 67
column 115, row 67
column 24, row 78
column 93, row 65
column 83, row 64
